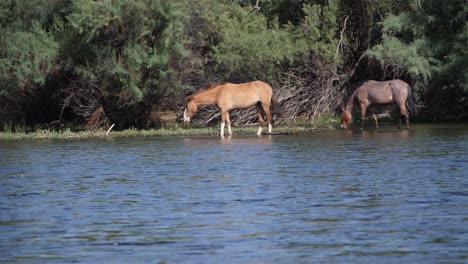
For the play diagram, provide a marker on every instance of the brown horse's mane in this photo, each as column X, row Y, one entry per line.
column 210, row 86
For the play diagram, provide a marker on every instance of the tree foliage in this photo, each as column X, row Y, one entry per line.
column 95, row 52
column 28, row 53
column 249, row 47
column 132, row 43
column 253, row 44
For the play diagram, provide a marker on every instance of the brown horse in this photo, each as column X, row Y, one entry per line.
column 373, row 93
column 228, row 96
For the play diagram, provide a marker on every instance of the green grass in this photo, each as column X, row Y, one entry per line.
column 68, row 134
column 168, row 130
column 322, row 122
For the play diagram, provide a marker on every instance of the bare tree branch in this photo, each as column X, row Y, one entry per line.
column 255, row 8
column 340, row 43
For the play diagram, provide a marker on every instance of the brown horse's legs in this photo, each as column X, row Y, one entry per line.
column 266, row 108
column 225, row 118
column 260, row 119
column 228, row 121
column 223, row 123
column 259, row 113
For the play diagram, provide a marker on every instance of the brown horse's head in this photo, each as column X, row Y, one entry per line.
column 345, row 118
column 190, row 109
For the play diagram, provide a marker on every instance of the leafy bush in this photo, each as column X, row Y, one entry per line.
column 27, row 58
column 427, row 41
column 253, row 45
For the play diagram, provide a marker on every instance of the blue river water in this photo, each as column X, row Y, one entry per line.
column 388, row 196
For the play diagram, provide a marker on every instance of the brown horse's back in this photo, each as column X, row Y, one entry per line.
column 244, row 95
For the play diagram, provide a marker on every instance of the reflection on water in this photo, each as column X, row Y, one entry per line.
column 325, row 196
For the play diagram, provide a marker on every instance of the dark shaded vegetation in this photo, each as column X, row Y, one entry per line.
column 88, row 64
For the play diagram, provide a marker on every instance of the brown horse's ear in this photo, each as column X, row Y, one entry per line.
column 341, row 108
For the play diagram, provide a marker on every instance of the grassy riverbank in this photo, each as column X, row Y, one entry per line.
column 169, row 130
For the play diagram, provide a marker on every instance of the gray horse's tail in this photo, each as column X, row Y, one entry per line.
column 276, row 107
column 410, row 104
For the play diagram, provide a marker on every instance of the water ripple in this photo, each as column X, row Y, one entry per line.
column 333, row 197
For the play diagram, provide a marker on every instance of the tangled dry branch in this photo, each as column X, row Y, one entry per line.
column 83, row 99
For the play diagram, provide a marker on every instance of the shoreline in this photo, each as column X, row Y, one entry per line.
column 181, row 130
column 175, row 131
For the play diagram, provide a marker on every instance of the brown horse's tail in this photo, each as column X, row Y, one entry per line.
column 276, row 107
column 410, row 104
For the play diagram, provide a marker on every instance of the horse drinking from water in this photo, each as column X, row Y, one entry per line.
column 373, row 93
column 228, row 96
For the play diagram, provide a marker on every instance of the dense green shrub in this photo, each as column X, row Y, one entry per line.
column 254, row 45
column 427, row 41
column 91, row 53
column 129, row 45
column 28, row 52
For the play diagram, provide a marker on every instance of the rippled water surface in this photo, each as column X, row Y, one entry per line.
column 327, row 196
